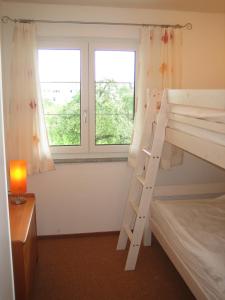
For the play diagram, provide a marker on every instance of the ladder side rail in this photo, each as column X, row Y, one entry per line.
column 135, row 187
column 135, row 191
column 148, row 188
column 150, row 117
column 153, row 166
column 147, row 238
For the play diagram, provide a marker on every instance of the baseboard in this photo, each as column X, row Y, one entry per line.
column 77, row 235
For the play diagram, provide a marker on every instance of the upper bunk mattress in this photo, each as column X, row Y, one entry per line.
column 195, row 229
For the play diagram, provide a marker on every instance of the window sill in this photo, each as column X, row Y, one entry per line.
column 63, row 158
column 89, row 160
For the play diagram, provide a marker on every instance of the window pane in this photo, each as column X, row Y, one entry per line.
column 59, row 65
column 114, row 65
column 59, row 97
column 60, row 85
column 63, row 129
column 114, row 84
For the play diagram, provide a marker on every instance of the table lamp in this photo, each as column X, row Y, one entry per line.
column 18, row 180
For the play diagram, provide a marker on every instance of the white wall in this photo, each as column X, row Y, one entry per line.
column 81, row 197
column 90, row 197
column 6, row 277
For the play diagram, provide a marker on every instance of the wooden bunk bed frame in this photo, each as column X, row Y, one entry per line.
column 203, row 109
column 193, row 120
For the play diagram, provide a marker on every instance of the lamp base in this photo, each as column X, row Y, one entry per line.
column 17, row 200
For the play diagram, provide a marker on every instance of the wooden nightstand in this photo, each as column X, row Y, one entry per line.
column 24, row 245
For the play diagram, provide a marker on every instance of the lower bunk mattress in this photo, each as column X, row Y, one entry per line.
column 195, row 230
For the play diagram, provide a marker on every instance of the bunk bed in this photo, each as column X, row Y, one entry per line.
column 192, row 231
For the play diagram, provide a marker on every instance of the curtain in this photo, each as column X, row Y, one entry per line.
column 26, row 131
column 159, row 66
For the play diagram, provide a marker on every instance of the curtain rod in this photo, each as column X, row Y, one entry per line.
column 7, row 19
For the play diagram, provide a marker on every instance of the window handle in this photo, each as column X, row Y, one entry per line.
column 85, row 116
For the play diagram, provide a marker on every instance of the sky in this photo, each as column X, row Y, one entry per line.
column 64, row 65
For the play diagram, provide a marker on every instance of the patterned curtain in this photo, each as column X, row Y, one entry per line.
column 159, row 66
column 26, row 132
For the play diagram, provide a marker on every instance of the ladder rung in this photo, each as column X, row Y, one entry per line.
column 146, row 152
column 134, row 206
column 128, row 232
column 141, row 179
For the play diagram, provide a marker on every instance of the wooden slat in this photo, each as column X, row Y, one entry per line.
column 134, row 206
column 217, row 127
column 214, row 99
column 192, row 189
column 128, row 232
column 213, row 137
column 202, row 148
column 141, row 179
column 146, row 151
column 198, row 112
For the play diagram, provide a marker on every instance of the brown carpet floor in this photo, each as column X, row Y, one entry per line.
column 90, row 268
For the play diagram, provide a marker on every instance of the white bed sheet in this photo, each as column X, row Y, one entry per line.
column 195, row 230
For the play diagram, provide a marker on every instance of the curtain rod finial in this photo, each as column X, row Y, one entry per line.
column 188, row 26
column 5, row 19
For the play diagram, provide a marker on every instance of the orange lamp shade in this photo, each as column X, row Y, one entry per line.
column 18, row 176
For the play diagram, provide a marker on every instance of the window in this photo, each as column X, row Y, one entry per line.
column 60, row 85
column 88, row 92
column 114, row 97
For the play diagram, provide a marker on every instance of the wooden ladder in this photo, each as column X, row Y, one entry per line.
column 143, row 182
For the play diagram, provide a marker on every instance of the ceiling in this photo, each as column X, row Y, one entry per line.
column 213, row 6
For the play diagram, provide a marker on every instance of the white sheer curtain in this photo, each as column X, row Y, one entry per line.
column 159, row 66
column 26, row 132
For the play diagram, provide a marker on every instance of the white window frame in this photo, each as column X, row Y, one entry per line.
column 88, row 149
column 107, row 46
column 74, row 44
